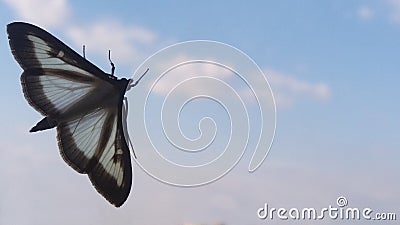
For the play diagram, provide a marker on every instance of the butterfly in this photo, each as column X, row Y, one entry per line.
column 84, row 103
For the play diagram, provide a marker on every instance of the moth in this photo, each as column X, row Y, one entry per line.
column 82, row 102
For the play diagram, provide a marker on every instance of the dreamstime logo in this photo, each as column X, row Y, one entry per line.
column 341, row 201
column 341, row 212
column 199, row 107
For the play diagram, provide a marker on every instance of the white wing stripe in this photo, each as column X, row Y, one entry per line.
column 111, row 166
column 86, row 131
column 39, row 44
column 42, row 50
column 73, row 91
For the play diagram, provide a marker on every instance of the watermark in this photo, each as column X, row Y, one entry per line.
column 339, row 211
column 201, row 105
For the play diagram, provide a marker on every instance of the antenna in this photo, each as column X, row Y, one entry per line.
column 134, row 84
column 112, row 64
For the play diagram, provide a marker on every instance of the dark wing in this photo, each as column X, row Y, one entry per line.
column 55, row 76
column 95, row 144
column 85, row 102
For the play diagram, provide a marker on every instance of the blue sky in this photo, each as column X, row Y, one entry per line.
column 332, row 65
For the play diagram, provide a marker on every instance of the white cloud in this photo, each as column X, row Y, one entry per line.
column 129, row 44
column 391, row 11
column 289, row 90
column 365, row 13
column 184, row 71
column 42, row 12
column 122, row 40
column 395, row 10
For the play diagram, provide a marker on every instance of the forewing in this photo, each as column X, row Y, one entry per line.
column 33, row 47
column 55, row 77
